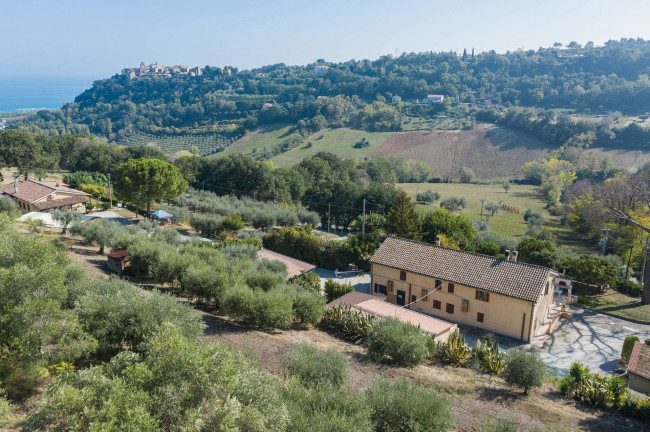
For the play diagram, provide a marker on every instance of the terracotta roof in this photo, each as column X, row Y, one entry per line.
column 118, row 254
column 31, row 190
column 372, row 305
column 497, row 275
column 56, row 203
column 640, row 360
column 27, row 190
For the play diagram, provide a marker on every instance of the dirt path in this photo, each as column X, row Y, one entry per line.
column 473, row 397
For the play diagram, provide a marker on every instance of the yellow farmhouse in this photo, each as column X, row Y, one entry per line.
column 499, row 295
column 37, row 196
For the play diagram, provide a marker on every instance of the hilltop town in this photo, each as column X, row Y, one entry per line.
column 154, row 70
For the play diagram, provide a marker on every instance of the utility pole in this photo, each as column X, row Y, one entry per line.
column 329, row 209
column 110, row 191
column 482, row 201
column 363, row 226
column 645, row 258
column 603, row 241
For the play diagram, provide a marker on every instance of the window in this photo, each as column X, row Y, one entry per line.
column 450, row 308
column 381, row 289
column 450, row 287
column 425, row 293
column 402, row 275
column 437, row 304
column 389, row 285
column 482, row 295
column 480, row 317
column 438, row 284
column 546, row 289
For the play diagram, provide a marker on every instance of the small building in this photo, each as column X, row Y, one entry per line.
column 496, row 294
column 396, row 99
column 37, row 196
column 321, row 70
column 368, row 304
column 433, row 99
column 118, row 261
column 638, row 370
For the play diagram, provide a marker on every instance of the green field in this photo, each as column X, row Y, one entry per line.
column 338, row 140
column 508, row 224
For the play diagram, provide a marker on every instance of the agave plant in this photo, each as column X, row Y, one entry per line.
column 455, row 350
column 351, row 325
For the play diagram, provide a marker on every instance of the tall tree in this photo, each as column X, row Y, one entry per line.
column 403, row 219
column 143, row 181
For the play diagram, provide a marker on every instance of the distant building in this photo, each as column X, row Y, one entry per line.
column 321, row 70
column 154, row 70
column 396, row 99
column 433, row 99
column 34, row 196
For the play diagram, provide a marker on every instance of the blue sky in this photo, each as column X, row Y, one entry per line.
column 97, row 38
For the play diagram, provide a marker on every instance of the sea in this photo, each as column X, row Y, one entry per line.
column 18, row 94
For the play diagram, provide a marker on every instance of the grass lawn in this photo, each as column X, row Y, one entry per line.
column 337, row 140
column 8, row 176
column 507, row 224
column 619, row 304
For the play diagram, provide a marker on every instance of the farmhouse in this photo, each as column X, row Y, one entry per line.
column 500, row 295
column 638, row 370
column 34, row 196
column 433, row 99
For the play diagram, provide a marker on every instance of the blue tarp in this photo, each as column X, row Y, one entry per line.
column 161, row 214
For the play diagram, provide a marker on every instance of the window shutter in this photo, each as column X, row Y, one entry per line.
column 476, row 297
column 487, row 296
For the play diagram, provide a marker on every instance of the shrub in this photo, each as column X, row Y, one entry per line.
column 523, row 370
column 105, row 205
column 307, row 305
column 263, row 278
column 206, row 224
column 5, row 410
column 427, row 197
column 258, row 308
column 9, row 206
column 628, row 346
column 232, row 222
column 637, row 408
column 116, row 314
column 584, row 386
column 403, row 343
column 309, row 281
column 534, row 217
column 313, row 367
column 334, row 290
column 467, row 175
column 629, row 287
column 402, row 407
column 308, row 218
column 325, row 409
column 453, row 203
column 202, row 282
column 263, row 220
column 500, row 425
column 300, row 243
column 489, row 248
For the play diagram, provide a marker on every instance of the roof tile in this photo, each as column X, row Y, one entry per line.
column 497, row 275
column 640, row 360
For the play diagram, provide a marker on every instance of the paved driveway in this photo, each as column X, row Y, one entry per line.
column 592, row 339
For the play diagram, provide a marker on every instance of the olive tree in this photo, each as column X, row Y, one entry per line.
column 66, row 218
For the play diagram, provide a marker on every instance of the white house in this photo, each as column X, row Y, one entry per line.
column 433, row 99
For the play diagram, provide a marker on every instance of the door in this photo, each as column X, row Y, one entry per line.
column 401, row 298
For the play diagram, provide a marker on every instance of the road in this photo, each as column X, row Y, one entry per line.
column 590, row 338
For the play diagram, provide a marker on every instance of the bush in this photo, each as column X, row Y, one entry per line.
column 258, row 308
column 428, row 197
column 300, row 243
column 105, row 205
column 7, row 205
column 206, row 224
column 467, row 175
column 401, row 407
column 628, row 346
column 500, row 425
column 403, row 343
column 584, row 386
column 202, row 282
column 334, row 290
column 307, row 305
column 523, row 370
column 232, row 222
column 534, row 217
column 309, row 281
column 5, row 410
column 629, row 287
column 489, row 248
column 453, row 203
column 118, row 315
column 313, row 367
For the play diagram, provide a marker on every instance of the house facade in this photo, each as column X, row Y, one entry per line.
column 36, row 196
column 433, row 99
column 499, row 295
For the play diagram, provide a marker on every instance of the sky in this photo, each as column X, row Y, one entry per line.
column 97, row 38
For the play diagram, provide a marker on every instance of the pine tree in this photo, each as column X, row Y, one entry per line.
column 403, row 219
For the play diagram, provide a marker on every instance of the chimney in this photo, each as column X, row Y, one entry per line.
column 514, row 255
column 15, row 183
column 437, row 242
column 507, row 255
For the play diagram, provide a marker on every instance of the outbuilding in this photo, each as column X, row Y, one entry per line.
column 638, row 370
column 118, row 261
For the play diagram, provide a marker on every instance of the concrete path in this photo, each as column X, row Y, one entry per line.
column 360, row 283
column 592, row 339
